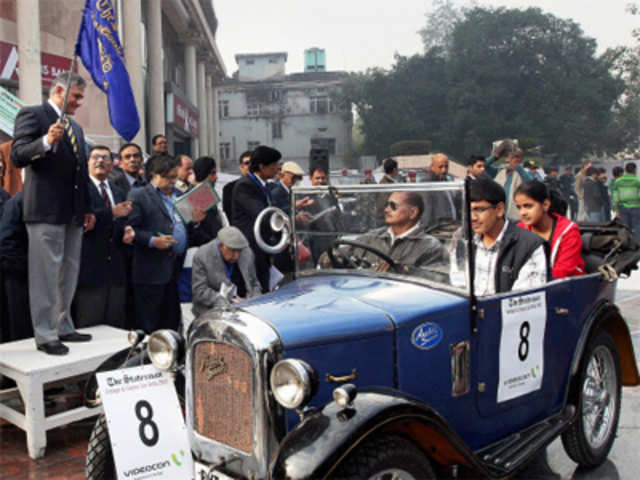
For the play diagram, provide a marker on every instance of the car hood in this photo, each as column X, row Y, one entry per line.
column 323, row 308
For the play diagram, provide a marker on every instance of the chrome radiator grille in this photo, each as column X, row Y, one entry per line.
column 223, row 394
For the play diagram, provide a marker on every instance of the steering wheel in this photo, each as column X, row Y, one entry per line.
column 357, row 262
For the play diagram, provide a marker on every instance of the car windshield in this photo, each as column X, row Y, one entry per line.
column 408, row 230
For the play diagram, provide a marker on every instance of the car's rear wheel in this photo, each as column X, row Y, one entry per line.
column 385, row 457
column 590, row 438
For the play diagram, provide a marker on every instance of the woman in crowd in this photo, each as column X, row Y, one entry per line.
column 537, row 213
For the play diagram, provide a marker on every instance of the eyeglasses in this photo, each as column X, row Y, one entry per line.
column 248, row 162
column 96, row 157
column 161, row 142
column 481, row 210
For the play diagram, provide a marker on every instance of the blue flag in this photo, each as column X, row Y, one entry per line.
column 102, row 55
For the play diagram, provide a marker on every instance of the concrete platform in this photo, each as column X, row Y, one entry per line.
column 32, row 370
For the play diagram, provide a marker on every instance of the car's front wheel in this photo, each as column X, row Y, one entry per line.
column 590, row 438
column 100, row 464
column 385, row 457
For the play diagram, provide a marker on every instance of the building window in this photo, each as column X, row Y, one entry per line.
column 225, row 150
column 223, row 108
column 319, row 105
column 276, row 129
column 253, row 110
column 275, row 95
column 252, row 145
column 249, row 62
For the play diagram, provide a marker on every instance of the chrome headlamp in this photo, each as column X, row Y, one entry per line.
column 292, row 383
column 164, row 348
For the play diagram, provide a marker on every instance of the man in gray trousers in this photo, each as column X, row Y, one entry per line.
column 56, row 209
column 223, row 271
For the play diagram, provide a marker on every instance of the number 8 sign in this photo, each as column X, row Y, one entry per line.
column 521, row 355
column 146, row 428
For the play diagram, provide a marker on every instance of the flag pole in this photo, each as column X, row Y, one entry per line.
column 66, row 95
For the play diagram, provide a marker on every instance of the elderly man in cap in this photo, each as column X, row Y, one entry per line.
column 250, row 197
column 280, row 191
column 223, row 270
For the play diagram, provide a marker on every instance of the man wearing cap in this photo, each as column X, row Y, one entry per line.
column 368, row 178
column 223, row 270
column 250, row 197
column 281, row 191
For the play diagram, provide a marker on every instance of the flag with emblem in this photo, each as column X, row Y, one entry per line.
column 102, row 55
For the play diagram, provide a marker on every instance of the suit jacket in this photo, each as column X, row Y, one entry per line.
column 440, row 205
column 227, row 200
column 149, row 217
column 14, row 239
column 103, row 261
column 118, row 178
column 279, row 197
column 56, row 186
column 248, row 202
column 209, row 273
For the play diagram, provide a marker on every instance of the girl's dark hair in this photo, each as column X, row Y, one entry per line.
column 539, row 192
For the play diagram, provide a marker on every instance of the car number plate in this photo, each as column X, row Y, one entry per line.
column 202, row 473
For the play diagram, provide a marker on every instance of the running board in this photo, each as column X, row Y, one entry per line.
column 510, row 453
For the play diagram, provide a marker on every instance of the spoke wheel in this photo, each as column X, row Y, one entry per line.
column 385, row 457
column 590, row 438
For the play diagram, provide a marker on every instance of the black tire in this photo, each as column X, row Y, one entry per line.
column 598, row 391
column 378, row 455
column 100, row 464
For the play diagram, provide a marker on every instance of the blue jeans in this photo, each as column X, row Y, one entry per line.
column 631, row 218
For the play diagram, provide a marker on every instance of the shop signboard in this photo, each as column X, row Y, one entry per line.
column 51, row 65
column 182, row 115
column 10, row 105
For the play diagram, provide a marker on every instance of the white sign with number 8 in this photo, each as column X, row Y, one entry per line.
column 146, row 426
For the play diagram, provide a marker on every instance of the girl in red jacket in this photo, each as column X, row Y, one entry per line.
column 533, row 202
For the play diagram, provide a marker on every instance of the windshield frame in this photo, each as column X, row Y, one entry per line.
column 456, row 185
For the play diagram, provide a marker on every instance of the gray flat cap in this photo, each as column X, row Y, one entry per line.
column 232, row 237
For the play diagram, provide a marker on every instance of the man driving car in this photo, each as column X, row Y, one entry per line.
column 401, row 239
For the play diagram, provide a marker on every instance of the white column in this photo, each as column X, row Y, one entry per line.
column 191, row 72
column 132, row 36
column 202, row 109
column 156, row 71
column 212, row 120
column 28, row 19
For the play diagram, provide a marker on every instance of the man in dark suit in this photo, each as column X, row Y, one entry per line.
column 227, row 191
column 159, row 245
column 127, row 175
column 205, row 225
column 250, row 197
column 101, row 294
column 56, row 208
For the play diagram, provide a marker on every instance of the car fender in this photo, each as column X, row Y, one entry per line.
column 127, row 357
column 326, row 436
column 607, row 316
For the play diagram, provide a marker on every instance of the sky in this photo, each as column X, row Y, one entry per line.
column 358, row 34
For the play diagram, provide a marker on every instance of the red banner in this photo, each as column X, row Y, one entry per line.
column 51, row 65
column 183, row 115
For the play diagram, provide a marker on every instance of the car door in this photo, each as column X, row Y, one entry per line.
column 521, row 357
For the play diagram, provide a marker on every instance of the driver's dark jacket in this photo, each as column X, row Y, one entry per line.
column 417, row 249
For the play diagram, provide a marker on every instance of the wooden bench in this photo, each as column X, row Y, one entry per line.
column 32, row 369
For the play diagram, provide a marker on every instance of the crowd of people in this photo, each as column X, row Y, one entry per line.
column 88, row 242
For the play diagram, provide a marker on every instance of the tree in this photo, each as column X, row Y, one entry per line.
column 500, row 74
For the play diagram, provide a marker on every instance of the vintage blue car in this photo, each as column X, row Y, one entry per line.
column 382, row 363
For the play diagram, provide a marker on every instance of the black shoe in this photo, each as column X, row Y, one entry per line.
column 54, row 348
column 75, row 337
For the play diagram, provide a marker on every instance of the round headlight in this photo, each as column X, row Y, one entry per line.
column 163, row 348
column 292, row 383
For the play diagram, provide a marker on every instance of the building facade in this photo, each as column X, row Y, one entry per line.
column 170, row 53
column 294, row 113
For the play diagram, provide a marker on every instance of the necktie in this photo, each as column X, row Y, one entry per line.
column 105, row 196
column 72, row 136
